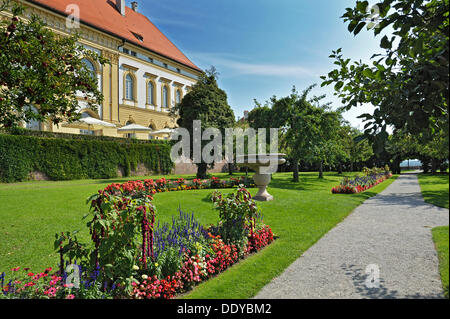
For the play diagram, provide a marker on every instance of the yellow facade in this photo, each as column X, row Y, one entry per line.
column 116, row 108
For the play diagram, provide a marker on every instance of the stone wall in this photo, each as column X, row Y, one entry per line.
column 191, row 168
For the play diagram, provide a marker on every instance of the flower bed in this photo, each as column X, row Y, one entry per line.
column 164, row 185
column 132, row 256
column 360, row 184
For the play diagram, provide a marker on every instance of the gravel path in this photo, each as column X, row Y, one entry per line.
column 391, row 231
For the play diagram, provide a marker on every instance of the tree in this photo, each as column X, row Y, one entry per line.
column 41, row 69
column 434, row 153
column 208, row 103
column 261, row 116
column 400, row 145
column 324, row 146
column 344, row 145
column 309, row 129
column 409, row 83
column 360, row 150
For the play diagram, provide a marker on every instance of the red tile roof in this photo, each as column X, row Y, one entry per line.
column 103, row 15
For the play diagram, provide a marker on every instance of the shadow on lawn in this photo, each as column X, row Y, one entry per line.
column 436, row 198
column 442, row 178
column 306, row 181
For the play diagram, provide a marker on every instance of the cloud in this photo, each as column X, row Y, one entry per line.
column 238, row 67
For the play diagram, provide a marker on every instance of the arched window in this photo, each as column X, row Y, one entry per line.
column 178, row 96
column 129, row 87
column 165, row 97
column 150, row 93
column 90, row 66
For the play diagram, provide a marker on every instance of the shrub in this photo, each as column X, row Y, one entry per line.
column 44, row 134
column 67, row 159
column 237, row 214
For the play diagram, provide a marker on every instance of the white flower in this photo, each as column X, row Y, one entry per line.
column 135, row 267
column 144, row 276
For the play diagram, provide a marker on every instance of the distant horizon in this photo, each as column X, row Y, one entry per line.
column 412, row 162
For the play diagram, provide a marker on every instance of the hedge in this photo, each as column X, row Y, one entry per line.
column 67, row 159
column 27, row 132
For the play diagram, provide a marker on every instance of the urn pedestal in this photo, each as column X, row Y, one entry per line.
column 264, row 165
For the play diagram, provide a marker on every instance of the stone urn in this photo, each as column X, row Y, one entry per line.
column 264, row 165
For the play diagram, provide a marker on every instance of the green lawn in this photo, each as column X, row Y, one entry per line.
column 440, row 237
column 435, row 190
column 301, row 214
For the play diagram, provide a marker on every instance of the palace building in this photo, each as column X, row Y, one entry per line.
column 147, row 76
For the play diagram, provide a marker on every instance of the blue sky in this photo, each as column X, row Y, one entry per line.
column 263, row 47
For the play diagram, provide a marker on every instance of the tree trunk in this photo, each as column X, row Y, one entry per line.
column 340, row 168
column 433, row 166
column 396, row 166
column 230, row 169
column 425, row 167
column 295, row 171
column 351, row 166
column 321, row 169
column 201, row 170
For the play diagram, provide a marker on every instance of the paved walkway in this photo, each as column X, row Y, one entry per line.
column 391, row 231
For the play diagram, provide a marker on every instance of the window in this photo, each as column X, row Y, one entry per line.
column 129, row 87
column 138, row 36
column 126, row 51
column 150, row 93
column 90, row 66
column 133, row 53
column 165, row 65
column 150, row 59
column 85, row 115
column 86, row 132
column 178, row 70
column 165, row 97
column 178, row 96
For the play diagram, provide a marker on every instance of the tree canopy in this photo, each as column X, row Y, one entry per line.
column 208, row 103
column 41, row 69
column 409, row 83
column 310, row 132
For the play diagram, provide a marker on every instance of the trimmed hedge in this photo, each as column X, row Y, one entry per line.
column 27, row 132
column 67, row 159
